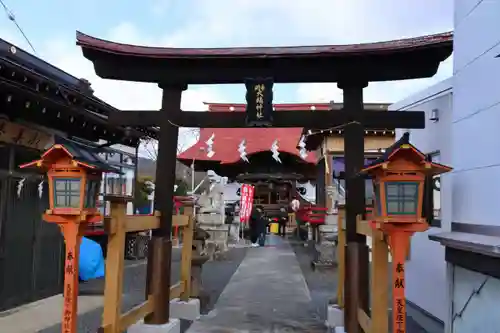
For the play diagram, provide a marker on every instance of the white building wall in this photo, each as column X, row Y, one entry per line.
column 426, row 269
column 476, row 116
column 231, row 192
column 476, row 156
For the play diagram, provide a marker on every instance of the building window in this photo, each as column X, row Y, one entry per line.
column 377, row 205
column 436, row 186
column 91, row 191
column 67, row 193
column 368, row 190
column 402, row 198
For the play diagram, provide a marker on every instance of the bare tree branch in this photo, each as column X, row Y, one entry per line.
column 187, row 137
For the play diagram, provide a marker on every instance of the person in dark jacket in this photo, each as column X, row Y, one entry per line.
column 282, row 222
column 257, row 227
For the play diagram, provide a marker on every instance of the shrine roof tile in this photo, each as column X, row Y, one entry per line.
column 227, row 140
column 255, row 52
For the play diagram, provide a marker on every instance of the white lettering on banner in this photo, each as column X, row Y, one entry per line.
column 246, row 202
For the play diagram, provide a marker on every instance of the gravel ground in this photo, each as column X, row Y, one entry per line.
column 322, row 284
column 216, row 275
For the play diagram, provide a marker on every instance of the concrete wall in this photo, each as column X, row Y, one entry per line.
column 426, row 269
column 478, row 313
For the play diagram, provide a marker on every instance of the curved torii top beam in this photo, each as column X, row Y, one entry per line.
column 382, row 61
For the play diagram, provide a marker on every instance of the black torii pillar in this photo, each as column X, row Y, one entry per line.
column 357, row 252
column 159, row 257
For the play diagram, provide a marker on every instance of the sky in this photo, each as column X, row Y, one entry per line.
column 51, row 27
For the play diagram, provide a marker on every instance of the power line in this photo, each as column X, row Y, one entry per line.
column 12, row 17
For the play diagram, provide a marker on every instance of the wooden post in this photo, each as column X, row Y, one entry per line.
column 379, row 283
column 399, row 241
column 356, row 293
column 328, row 180
column 176, row 235
column 291, row 221
column 113, row 285
column 341, row 256
column 187, row 252
column 159, row 259
column 320, row 183
column 72, row 238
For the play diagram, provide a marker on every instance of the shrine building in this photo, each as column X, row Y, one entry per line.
column 277, row 182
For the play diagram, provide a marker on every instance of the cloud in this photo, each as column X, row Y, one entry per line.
column 382, row 92
column 250, row 23
column 123, row 95
column 280, row 22
column 160, row 7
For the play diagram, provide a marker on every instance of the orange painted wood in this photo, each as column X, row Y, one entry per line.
column 72, row 238
column 399, row 242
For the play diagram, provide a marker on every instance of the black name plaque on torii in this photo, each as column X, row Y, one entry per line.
column 259, row 97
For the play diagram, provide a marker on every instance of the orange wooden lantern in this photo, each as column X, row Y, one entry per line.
column 398, row 181
column 74, row 184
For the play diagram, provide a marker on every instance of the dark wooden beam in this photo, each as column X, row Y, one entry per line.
column 356, row 288
column 476, row 262
column 306, row 118
column 22, row 94
column 320, row 184
column 403, row 64
column 159, row 262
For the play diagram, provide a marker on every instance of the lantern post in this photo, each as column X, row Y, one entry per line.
column 73, row 189
column 398, row 180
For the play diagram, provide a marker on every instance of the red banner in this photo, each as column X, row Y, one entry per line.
column 246, row 202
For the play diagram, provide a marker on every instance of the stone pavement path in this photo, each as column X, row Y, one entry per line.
column 267, row 293
column 44, row 316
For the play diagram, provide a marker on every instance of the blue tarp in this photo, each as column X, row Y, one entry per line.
column 91, row 265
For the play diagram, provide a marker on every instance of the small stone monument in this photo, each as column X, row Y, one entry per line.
column 326, row 248
column 211, row 215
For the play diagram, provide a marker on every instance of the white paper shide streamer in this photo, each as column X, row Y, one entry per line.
column 20, row 185
column 242, row 149
column 302, row 146
column 40, row 189
column 210, row 143
column 274, row 150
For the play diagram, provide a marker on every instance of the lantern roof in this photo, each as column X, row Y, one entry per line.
column 77, row 153
column 403, row 148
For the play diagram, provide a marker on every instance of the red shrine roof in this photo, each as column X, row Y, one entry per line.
column 243, row 52
column 227, row 140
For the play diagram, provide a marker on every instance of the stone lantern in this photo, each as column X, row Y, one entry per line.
column 398, row 181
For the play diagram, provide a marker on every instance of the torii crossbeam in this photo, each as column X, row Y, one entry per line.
column 306, row 119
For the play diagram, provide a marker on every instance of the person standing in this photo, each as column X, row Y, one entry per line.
column 295, row 204
column 257, row 227
column 282, row 222
column 295, row 207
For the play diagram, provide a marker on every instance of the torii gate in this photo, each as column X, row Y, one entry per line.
column 351, row 66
